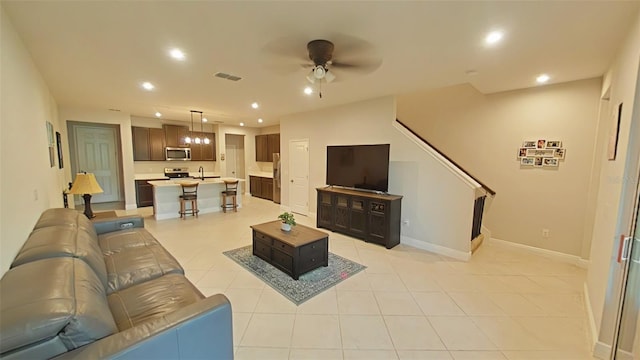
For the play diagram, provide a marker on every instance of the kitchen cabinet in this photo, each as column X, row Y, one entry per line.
column 148, row 144
column 261, row 187
column 372, row 217
column 144, row 192
column 266, row 145
column 204, row 152
column 174, row 135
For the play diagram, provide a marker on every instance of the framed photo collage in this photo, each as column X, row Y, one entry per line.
column 541, row 153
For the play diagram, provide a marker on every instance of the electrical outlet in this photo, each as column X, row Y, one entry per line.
column 545, row 233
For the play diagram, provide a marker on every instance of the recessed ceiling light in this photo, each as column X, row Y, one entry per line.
column 177, row 54
column 148, row 86
column 204, row 120
column 542, row 78
column 493, row 37
column 158, row 114
column 241, row 124
column 308, row 90
column 260, row 120
column 255, row 105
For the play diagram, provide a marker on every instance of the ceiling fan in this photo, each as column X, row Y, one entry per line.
column 352, row 56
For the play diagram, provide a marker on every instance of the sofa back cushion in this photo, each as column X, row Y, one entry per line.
column 52, row 301
column 63, row 241
column 68, row 217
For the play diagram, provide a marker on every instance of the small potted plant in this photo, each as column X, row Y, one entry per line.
column 287, row 221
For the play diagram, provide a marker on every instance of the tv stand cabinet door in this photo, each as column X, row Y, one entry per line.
column 358, row 217
column 325, row 210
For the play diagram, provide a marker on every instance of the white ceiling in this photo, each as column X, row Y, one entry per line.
column 96, row 54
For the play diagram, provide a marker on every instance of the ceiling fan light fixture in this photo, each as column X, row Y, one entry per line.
column 319, row 72
column 329, row 77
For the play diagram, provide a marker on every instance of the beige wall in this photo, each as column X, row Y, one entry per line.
column 617, row 181
column 437, row 203
column 483, row 133
column 28, row 185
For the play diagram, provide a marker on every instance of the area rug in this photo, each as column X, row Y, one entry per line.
column 308, row 285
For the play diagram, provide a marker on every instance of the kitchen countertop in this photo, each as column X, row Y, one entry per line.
column 149, row 176
column 264, row 174
column 176, row 182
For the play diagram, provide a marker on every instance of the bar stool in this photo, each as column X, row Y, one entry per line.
column 189, row 194
column 231, row 190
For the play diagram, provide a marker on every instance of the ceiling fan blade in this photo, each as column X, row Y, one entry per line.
column 362, row 67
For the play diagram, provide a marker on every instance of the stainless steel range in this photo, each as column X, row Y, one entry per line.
column 176, row 172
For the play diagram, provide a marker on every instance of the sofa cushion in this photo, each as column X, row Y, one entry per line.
column 68, row 217
column 57, row 300
column 152, row 300
column 138, row 264
column 117, row 241
column 63, row 241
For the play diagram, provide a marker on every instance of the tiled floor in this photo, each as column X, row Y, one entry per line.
column 408, row 303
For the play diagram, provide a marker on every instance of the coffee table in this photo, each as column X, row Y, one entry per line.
column 294, row 252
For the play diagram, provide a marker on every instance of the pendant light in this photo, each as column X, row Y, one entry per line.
column 206, row 139
column 197, row 139
column 188, row 138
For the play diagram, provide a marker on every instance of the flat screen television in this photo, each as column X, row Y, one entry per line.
column 359, row 166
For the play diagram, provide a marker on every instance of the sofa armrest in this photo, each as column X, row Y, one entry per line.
column 202, row 330
column 119, row 223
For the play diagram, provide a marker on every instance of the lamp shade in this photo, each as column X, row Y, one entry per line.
column 85, row 184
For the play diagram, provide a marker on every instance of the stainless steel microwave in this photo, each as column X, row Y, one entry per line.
column 181, row 154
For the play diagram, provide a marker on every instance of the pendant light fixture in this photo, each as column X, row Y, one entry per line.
column 197, row 140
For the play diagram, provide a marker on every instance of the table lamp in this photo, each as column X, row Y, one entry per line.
column 85, row 185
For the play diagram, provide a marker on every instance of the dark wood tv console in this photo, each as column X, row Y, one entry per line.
column 369, row 216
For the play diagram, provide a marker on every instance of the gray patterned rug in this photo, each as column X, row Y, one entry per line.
column 308, row 285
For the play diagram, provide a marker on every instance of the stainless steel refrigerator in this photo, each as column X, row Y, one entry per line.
column 276, row 178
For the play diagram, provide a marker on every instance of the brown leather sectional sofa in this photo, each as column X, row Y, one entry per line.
column 105, row 290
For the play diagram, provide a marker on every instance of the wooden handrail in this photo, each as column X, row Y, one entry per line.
column 487, row 189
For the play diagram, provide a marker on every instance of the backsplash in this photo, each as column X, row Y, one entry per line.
column 157, row 167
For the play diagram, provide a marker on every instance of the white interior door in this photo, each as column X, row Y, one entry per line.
column 299, row 176
column 96, row 153
column 232, row 160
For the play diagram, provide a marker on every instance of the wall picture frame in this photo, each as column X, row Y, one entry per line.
column 537, row 161
column 559, row 153
column 527, row 161
column 550, row 162
column 614, row 132
column 522, row 152
column 531, row 144
column 59, row 147
column 541, row 143
column 554, row 144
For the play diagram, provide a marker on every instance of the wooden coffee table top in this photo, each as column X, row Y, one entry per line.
column 298, row 236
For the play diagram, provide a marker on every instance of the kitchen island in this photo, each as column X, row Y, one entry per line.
column 166, row 204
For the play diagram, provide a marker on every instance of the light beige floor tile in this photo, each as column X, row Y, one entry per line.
column 515, row 304
column 316, row 332
column 548, row 355
column 478, row 304
column 246, row 280
column 323, row 303
column 359, row 281
column 456, row 282
column 557, row 333
column 507, row 334
column 262, row 353
column 195, row 275
column 386, row 282
column 420, row 282
column 558, row 304
column 412, row 333
column 364, row 332
column 369, row 354
column 240, row 322
column 490, row 283
column 315, row 354
column 397, row 303
column 357, row 302
column 522, row 284
column 243, row 300
column 268, row 330
column 437, row 303
column 477, row 355
column 210, row 291
column 273, row 302
column 217, row 279
column 423, row 355
column 460, row 333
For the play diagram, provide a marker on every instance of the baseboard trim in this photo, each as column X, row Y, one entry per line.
column 456, row 254
column 602, row 350
column 571, row 259
column 593, row 329
column 130, row 206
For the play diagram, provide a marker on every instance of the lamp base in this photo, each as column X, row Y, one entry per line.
column 87, row 206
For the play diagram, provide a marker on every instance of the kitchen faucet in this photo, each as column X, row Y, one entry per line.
column 201, row 172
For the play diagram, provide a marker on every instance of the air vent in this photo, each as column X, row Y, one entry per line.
column 227, row 76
